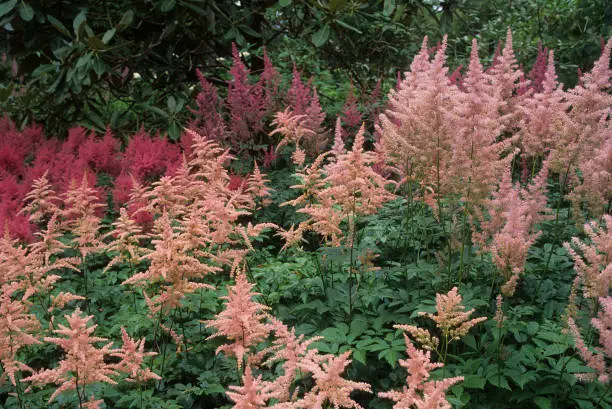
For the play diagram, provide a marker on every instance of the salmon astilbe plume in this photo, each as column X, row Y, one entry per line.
column 242, row 320
column 453, row 322
column 420, row 392
column 83, row 363
column 342, row 190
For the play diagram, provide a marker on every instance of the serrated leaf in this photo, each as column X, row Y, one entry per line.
column 474, row 382
column 58, row 25
column 321, row 36
column 7, row 7
column 554, row 349
column 26, row 12
column 360, row 356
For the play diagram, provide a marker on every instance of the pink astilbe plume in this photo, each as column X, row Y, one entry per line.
column 415, row 130
column 81, row 213
column 132, row 357
column 270, row 80
column 125, row 240
column 506, row 75
column 18, row 327
column 242, row 320
column 351, row 117
column 539, row 68
column 420, row 392
column 316, row 142
column 41, row 201
column 298, row 95
column 593, row 260
column 83, row 363
column 346, row 188
column 545, row 118
column 253, row 394
column 329, row 385
column 291, row 126
column 597, row 358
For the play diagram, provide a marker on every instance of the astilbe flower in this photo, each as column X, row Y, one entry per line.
column 18, row 327
column 420, row 392
column 350, row 188
column 291, row 126
column 593, row 261
column 242, row 320
column 208, row 119
column 538, row 70
column 253, row 394
column 80, row 212
column 83, row 363
column 596, row 171
column 329, row 385
column 170, row 266
column 510, row 229
column 41, row 200
column 415, row 130
column 298, row 95
column 132, row 357
column 350, row 111
column 270, row 80
column 477, row 163
column 244, row 101
column 451, row 319
column 125, row 240
column 597, row 360
column 257, row 184
column 545, row 120
column 316, row 142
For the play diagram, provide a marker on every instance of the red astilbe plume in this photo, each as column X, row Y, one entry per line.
column 41, row 201
column 298, row 95
column 100, row 154
column 593, row 261
column 148, row 158
column 132, row 356
column 270, row 82
column 420, row 392
column 242, row 320
column 538, row 71
column 83, row 363
column 208, row 120
column 315, row 143
column 244, row 101
column 351, row 117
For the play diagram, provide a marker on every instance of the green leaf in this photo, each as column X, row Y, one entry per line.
column 7, row 7
column 58, row 25
column 348, row 26
column 542, row 402
column 474, row 382
column 554, row 349
column 388, row 7
column 168, row 5
column 108, row 35
column 284, row 3
column 171, row 104
column 26, row 12
column 126, row 20
column 320, row 37
column 360, row 356
column 79, row 21
column 174, row 131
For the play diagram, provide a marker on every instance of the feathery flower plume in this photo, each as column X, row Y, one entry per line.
column 241, row 322
column 83, row 363
column 420, row 392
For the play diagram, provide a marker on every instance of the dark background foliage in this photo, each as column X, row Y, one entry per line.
column 117, row 63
